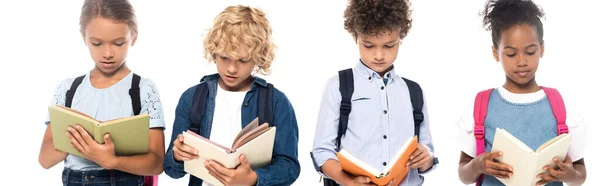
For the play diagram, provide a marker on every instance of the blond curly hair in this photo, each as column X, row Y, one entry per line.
column 239, row 26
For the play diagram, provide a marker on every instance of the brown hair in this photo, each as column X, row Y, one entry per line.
column 120, row 11
column 374, row 17
column 238, row 26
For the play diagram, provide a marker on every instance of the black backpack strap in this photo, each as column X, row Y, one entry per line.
column 134, row 94
column 71, row 91
column 198, row 107
column 416, row 98
column 265, row 104
column 346, row 89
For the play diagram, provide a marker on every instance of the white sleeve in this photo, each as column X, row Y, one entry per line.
column 465, row 125
column 59, row 96
column 151, row 104
column 577, row 129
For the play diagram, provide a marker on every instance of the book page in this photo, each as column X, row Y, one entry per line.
column 76, row 112
column 190, row 134
column 516, row 154
column 250, row 136
column 357, row 162
column 252, row 125
column 402, row 152
column 258, row 151
column 552, row 141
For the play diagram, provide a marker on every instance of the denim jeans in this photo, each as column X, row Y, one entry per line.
column 100, row 178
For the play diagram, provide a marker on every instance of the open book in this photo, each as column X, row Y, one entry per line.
column 254, row 141
column 526, row 163
column 396, row 168
column 129, row 134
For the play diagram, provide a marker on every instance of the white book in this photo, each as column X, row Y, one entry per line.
column 254, row 141
column 526, row 163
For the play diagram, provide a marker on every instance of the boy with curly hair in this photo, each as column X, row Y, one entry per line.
column 240, row 44
column 380, row 117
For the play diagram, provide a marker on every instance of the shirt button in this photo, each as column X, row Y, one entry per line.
column 384, row 163
column 382, row 87
column 384, row 111
column 384, row 137
column 246, row 104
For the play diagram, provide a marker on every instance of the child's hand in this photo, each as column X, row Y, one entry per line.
column 564, row 173
column 361, row 181
column 420, row 159
column 242, row 175
column 102, row 154
column 487, row 165
column 183, row 152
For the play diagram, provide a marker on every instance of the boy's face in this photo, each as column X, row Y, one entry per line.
column 519, row 50
column 234, row 73
column 108, row 42
column 380, row 51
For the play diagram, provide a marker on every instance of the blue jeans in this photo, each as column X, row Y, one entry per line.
column 100, row 178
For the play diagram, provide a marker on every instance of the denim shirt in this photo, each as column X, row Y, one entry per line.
column 284, row 168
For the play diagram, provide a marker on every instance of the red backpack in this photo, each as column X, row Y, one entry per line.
column 480, row 111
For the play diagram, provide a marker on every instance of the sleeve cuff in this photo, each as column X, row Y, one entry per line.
column 176, row 163
column 261, row 177
column 435, row 162
column 319, row 159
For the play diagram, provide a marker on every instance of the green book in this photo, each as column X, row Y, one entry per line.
column 129, row 134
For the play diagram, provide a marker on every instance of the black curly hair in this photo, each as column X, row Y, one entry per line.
column 499, row 15
column 374, row 17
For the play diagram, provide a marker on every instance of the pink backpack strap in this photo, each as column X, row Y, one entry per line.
column 479, row 113
column 151, row 180
column 558, row 109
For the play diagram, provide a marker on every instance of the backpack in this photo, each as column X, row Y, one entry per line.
column 134, row 93
column 265, row 107
column 347, row 89
column 480, row 112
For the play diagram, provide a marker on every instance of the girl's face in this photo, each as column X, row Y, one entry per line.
column 108, row 42
column 234, row 73
column 519, row 50
column 379, row 52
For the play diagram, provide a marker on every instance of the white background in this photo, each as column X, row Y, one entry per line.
column 447, row 52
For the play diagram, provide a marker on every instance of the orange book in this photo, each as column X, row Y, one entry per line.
column 397, row 167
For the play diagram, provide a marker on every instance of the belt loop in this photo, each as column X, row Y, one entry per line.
column 113, row 180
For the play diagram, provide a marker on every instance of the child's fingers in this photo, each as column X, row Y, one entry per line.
column 75, row 133
column 542, row 182
column 180, row 138
column 419, row 160
column 75, row 143
column 362, row 179
column 494, row 155
column 499, row 166
column 498, row 173
column 184, row 156
column 563, row 165
column 188, row 149
column 419, row 164
column 218, row 177
column 554, row 173
column 417, row 152
column 546, row 177
column 414, row 159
